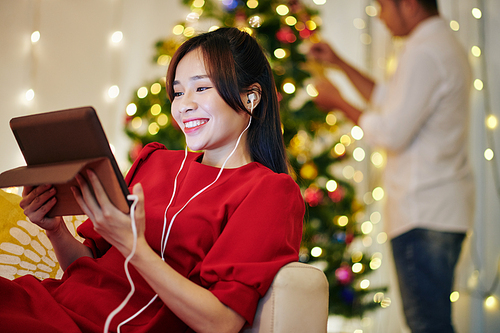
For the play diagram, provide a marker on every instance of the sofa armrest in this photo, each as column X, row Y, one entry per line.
column 297, row 301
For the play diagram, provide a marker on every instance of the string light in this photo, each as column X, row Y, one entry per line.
column 289, row 88
column 491, row 303
column 478, row 84
column 371, row 11
column 382, row 238
column 311, row 91
column 476, row 51
column 117, row 37
column 331, row 119
column 491, row 121
column 359, row 23
column 377, row 159
column 358, row 154
column 35, row 36
column 345, row 140
column 378, row 193
column 252, row 4
column 342, row 221
column 319, row 2
column 282, row 10
column 454, row 25
column 279, row 53
column 489, row 154
column 136, row 122
column 454, row 296
column 162, row 119
column 155, row 88
column 364, row 284
column 331, row 185
column 366, row 227
column 131, row 109
column 375, row 217
column 290, row 20
column 358, row 267
column 178, row 29
column 357, row 133
column 153, row 128
column 113, row 91
column 142, row 92
column 339, row 149
column 358, row 176
column 316, row 251
column 155, row 109
column 30, row 94
column 348, row 172
column 476, row 13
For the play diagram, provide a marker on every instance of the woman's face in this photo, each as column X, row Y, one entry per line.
column 208, row 123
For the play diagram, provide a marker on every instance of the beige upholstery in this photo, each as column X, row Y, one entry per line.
column 296, row 302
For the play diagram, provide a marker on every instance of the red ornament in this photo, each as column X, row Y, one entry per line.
column 337, row 195
column 306, row 33
column 135, row 150
column 349, row 238
column 313, row 196
column 285, row 35
column 344, row 274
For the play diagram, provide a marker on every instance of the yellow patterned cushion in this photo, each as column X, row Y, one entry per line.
column 24, row 247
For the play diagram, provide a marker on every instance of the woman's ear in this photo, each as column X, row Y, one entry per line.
column 252, row 97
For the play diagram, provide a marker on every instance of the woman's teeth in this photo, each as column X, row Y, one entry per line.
column 194, row 123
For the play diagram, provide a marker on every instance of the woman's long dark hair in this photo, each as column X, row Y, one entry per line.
column 235, row 61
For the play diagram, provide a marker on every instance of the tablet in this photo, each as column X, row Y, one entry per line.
column 59, row 144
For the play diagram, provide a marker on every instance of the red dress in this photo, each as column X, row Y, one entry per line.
column 232, row 239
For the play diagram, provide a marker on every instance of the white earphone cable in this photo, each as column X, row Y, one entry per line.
column 127, row 260
column 164, row 237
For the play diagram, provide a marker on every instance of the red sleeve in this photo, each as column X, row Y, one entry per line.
column 143, row 156
column 261, row 236
column 93, row 240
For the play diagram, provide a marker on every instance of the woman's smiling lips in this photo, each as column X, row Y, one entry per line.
column 191, row 125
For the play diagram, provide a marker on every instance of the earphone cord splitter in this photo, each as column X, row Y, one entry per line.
column 164, row 237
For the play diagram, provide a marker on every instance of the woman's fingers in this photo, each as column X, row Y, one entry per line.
column 37, row 197
column 140, row 214
column 37, row 201
column 87, row 196
column 100, row 193
column 81, row 202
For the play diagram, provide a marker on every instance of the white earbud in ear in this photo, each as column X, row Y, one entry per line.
column 251, row 97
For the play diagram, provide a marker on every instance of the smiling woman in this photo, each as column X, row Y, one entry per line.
column 234, row 66
column 202, row 113
column 212, row 228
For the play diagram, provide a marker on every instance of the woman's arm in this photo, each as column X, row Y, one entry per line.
column 193, row 304
column 36, row 203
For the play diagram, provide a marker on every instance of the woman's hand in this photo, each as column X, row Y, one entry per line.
column 109, row 221
column 37, row 201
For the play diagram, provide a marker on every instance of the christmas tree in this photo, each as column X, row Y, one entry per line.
column 317, row 142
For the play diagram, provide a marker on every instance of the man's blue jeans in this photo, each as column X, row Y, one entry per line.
column 425, row 264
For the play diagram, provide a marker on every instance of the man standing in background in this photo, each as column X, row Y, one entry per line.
column 420, row 118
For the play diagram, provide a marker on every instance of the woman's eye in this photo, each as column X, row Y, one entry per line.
column 177, row 94
column 202, row 88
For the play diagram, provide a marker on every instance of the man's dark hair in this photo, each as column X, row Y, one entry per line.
column 430, row 6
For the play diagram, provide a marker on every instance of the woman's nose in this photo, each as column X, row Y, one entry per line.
column 187, row 104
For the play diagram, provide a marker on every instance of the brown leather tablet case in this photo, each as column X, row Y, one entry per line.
column 57, row 146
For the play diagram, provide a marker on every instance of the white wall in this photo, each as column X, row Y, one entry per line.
column 74, row 64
